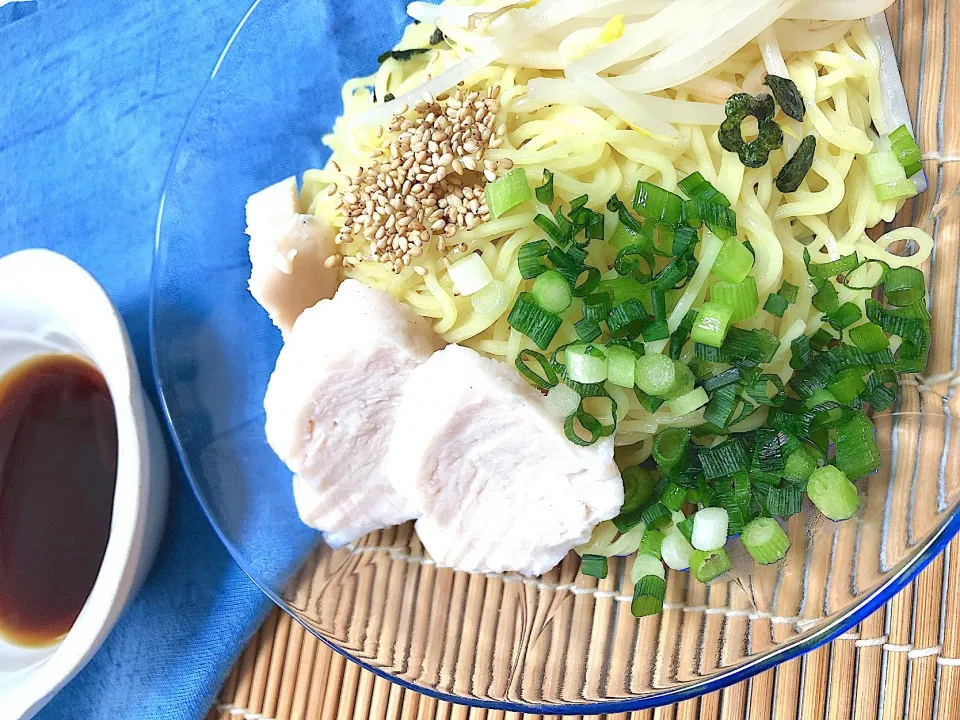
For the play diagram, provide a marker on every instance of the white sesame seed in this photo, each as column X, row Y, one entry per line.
column 419, row 270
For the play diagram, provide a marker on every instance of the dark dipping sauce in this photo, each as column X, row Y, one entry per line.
column 58, row 467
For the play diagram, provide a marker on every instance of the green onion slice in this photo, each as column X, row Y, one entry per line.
column 648, row 596
column 546, row 378
column 707, row 566
column 530, row 259
column 545, row 191
column 528, row 318
column 765, row 540
column 594, row 566
column 670, row 447
column 507, row 192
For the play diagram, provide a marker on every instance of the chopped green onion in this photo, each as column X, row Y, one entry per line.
column 689, row 402
column 787, row 95
column 695, row 187
column 528, row 318
column 470, row 274
column 684, row 240
column 733, row 494
column 707, row 566
column 587, row 329
column 655, row 203
column 680, row 336
column 895, row 324
column 845, row 264
column 597, row 306
column 648, row 596
column 550, row 228
column 589, row 423
column 627, row 262
column 833, row 494
column 710, row 528
column 759, row 390
column 775, row 305
column 905, row 149
column 651, row 543
column 724, row 459
column 588, row 285
column 655, row 374
column 656, row 331
column 777, row 501
column 543, row 382
column 798, row 466
column 507, row 192
column 765, row 540
column 624, row 237
column 794, row 171
column 888, row 177
column 734, row 261
column 821, row 339
column 727, row 377
column 627, row 320
column 530, row 259
column 826, row 300
column 621, row 366
column 685, row 527
column 657, row 515
column 676, row 551
column 869, row 337
column 674, row 496
column 683, row 381
column 545, row 191
column 788, row 292
column 690, row 214
column 845, row 316
column 586, row 364
column 645, row 564
column 650, row 403
column 670, row 447
column 847, row 385
column 638, row 488
column 720, row 220
column 857, row 451
column 741, row 298
column 712, row 324
column 904, row 286
column 552, row 292
column 594, row 566
column 723, row 403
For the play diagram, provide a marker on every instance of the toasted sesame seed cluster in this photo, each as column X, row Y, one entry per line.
column 427, row 181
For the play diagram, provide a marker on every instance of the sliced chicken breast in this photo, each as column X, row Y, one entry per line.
column 331, row 406
column 288, row 254
column 496, row 484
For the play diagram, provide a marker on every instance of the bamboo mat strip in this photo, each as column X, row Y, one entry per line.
column 902, row 662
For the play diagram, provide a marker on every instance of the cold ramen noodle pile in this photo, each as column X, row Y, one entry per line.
column 595, row 274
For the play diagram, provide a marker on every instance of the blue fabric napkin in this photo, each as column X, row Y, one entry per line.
column 93, row 95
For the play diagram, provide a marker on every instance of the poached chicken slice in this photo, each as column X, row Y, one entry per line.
column 331, row 406
column 495, row 483
column 288, row 254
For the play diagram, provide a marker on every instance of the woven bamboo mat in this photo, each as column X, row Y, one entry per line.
column 902, row 662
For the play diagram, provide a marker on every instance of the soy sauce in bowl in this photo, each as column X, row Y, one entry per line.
column 58, row 466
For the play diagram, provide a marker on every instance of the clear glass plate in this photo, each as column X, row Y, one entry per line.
column 556, row 644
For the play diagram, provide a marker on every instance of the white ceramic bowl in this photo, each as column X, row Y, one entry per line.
column 50, row 304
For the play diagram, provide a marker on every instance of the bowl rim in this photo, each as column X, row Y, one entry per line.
column 934, row 545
